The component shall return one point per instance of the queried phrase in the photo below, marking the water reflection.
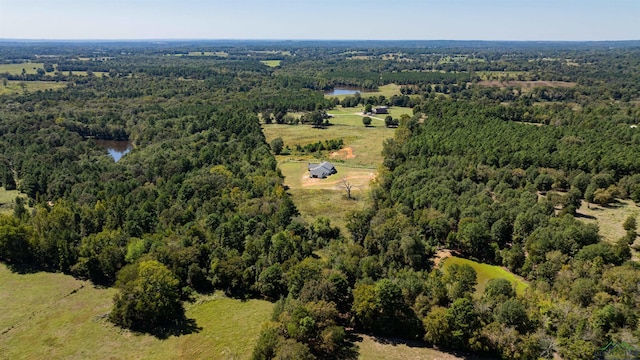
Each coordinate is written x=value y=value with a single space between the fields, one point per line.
x=116 y=148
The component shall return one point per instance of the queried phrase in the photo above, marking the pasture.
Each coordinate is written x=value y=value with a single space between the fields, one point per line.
x=366 y=142
x=610 y=219
x=486 y=272
x=54 y=316
x=16 y=69
x=271 y=63
x=16 y=87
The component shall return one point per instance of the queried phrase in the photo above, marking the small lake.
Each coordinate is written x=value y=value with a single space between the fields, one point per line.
x=346 y=90
x=116 y=148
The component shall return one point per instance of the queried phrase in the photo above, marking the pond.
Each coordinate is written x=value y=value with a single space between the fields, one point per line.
x=116 y=148
x=346 y=90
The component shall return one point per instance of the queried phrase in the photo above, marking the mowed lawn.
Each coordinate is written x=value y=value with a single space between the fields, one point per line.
x=486 y=272
x=54 y=316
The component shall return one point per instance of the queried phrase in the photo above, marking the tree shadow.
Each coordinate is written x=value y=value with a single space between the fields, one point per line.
x=23 y=269
x=349 y=351
x=184 y=326
x=585 y=216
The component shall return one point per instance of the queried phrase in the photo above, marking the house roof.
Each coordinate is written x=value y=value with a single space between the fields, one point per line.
x=323 y=169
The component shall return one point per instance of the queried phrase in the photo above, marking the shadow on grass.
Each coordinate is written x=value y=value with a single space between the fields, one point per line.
x=184 y=326
x=585 y=216
x=23 y=269
x=349 y=351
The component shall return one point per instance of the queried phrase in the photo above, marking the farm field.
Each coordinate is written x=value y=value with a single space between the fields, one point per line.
x=486 y=272
x=14 y=87
x=16 y=69
x=55 y=316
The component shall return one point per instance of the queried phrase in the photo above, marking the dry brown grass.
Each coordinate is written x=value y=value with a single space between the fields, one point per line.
x=387 y=349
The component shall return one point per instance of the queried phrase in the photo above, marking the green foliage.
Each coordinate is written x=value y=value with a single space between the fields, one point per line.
x=460 y=281
x=276 y=145
x=381 y=308
x=499 y=289
x=16 y=241
x=366 y=121
x=149 y=299
x=512 y=313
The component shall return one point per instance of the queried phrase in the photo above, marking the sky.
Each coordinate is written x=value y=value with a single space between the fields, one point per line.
x=565 y=20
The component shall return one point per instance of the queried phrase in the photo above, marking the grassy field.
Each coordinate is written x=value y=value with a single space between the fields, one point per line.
x=14 y=87
x=16 y=69
x=378 y=349
x=366 y=142
x=610 y=219
x=487 y=272
x=54 y=316
x=8 y=200
x=271 y=63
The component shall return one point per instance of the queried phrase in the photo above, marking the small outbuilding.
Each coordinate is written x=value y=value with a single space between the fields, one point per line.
x=381 y=110
x=321 y=170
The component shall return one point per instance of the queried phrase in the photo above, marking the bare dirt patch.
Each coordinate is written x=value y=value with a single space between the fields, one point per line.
x=358 y=179
x=526 y=84
x=440 y=256
x=345 y=153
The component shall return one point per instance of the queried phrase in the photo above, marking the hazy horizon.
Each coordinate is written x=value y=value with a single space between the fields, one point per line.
x=463 y=20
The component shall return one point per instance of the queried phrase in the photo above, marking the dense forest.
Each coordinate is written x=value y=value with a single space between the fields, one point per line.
x=506 y=141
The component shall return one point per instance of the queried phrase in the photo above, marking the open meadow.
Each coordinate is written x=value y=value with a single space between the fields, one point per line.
x=54 y=316
x=486 y=272
x=16 y=69
x=16 y=87
x=610 y=219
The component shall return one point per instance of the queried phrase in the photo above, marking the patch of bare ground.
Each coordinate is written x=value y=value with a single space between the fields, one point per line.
x=357 y=179
x=440 y=256
x=345 y=153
